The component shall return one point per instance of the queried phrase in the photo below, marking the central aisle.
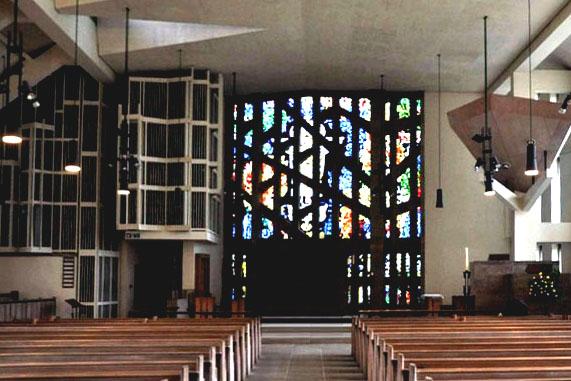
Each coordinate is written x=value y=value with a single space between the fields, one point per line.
x=299 y=352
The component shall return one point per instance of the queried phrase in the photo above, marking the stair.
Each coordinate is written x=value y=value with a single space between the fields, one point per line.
x=306 y=352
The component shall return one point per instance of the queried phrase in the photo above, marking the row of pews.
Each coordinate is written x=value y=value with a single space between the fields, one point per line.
x=465 y=348
x=218 y=349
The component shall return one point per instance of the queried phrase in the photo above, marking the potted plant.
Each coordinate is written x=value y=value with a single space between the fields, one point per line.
x=545 y=289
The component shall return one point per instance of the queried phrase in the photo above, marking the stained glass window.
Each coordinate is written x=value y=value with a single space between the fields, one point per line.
x=345 y=222
x=346 y=182
x=403 y=146
x=403 y=224
x=347 y=137
x=403 y=108
x=309 y=177
x=248 y=112
x=346 y=103
x=365 y=109
x=403 y=182
x=268 y=114
x=307 y=109
x=403 y=187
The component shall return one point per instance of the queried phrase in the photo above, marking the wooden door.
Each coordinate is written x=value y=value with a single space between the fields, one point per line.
x=202 y=275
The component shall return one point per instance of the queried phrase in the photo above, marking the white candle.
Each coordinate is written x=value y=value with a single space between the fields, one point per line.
x=467 y=260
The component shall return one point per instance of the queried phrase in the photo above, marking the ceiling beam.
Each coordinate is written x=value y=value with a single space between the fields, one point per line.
x=61 y=29
x=545 y=43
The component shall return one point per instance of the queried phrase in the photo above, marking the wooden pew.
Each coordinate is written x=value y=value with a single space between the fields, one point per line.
x=115 y=370
x=154 y=338
x=476 y=336
x=249 y=339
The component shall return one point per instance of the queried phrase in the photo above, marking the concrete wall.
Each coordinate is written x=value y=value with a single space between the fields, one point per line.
x=565 y=170
x=36 y=277
x=469 y=219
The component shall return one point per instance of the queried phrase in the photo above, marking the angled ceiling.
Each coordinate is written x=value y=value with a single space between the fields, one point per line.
x=333 y=43
x=509 y=123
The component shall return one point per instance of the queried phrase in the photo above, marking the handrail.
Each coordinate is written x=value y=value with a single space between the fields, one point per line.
x=28 y=300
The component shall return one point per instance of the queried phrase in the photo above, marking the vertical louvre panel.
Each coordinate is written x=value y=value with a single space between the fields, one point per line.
x=176 y=100
x=156 y=140
x=213 y=154
x=70 y=121
x=123 y=209
x=155 y=208
x=133 y=138
x=90 y=123
x=5 y=225
x=155 y=105
x=175 y=174
x=213 y=106
x=198 y=175
x=199 y=94
x=199 y=142
x=175 y=207
x=214 y=218
x=47 y=187
x=89 y=178
x=134 y=97
x=37 y=226
x=68 y=228
x=69 y=192
x=115 y=280
x=86 y=278
x=46 y=226
x=88 y=225
x=213 y=178
x=176 y=140
x=132 y=216
x=156 y=174
x=198 y=209
x=56 y=227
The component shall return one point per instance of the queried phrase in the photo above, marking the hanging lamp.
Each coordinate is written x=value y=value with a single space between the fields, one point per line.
x=12 y=123
x=439 y=194
x=123 y=189
x=531 y=152
x=73 y=156
x=487 y=138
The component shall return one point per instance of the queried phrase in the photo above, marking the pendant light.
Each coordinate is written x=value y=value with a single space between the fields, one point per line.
x=73 y=157
x=439 y=195
x=487 y=138
x=12 y=124
x=123 y=189
x=531 y=154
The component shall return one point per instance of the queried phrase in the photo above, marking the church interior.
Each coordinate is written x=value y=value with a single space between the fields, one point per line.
x=285 y=190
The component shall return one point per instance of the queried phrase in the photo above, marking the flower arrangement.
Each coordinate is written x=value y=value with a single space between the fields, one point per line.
x=545 y=287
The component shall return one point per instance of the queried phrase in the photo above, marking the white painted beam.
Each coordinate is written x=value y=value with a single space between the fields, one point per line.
x=542 y=81
x=61 y=29
x=147 y=34
x=545 y=43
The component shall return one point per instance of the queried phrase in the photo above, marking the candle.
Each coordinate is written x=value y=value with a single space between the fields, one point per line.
x=467 y=260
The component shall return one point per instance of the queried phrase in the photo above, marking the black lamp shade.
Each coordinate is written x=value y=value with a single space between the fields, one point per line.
x=531 y=159
x=488 y=183
x=439 y=198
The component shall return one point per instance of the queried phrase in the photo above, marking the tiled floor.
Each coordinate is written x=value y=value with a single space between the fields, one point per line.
x=306 y=362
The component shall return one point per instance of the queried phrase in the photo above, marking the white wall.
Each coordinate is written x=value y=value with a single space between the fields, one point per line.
x=469 y=219
x=127 y=261
x=36 y=277
x=190 y=249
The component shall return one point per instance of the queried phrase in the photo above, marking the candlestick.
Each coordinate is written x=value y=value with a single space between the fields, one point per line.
x=467 y=261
